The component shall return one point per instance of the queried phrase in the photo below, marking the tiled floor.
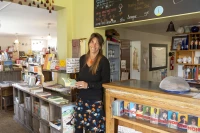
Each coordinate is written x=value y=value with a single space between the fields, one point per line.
x=8 y=125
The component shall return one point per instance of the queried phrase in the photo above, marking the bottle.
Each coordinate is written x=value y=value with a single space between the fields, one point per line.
x=192 y=42
x=196 y=43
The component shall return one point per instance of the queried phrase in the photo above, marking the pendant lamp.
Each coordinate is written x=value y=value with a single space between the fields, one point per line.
x=171 y=27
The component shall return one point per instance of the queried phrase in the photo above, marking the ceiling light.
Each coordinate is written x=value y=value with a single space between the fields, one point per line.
x=171 y=27
x=49 y=37
x=16 y=40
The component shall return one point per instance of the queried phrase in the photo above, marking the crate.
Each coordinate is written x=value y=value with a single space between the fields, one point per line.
x=28 y=120
x=53 y=130
x=36 y=124
x=21 y=113
x=44 y=127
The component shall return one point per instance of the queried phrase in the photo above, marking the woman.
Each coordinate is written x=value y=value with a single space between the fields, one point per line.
x=94 y=71
x=172 y=123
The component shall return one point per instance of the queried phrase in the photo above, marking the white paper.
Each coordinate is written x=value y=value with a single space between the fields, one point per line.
x=123 y=64
x=124 y=76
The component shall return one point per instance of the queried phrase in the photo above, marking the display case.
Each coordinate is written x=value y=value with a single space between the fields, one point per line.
x=148 y=93
x=113 y=55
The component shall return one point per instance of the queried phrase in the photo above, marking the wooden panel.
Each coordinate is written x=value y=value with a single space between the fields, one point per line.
x=159 y=99
x=143 y=126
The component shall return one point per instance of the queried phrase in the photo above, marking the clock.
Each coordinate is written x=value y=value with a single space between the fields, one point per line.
x=158 y=10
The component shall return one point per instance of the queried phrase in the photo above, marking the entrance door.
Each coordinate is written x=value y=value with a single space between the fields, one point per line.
x=135 y=60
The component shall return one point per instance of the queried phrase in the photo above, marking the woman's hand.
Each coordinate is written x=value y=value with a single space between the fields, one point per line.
x=81 y=85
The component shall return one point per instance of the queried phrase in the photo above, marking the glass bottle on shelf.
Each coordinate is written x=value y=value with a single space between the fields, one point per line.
x=198 y=45
x=196 y=42
x=192 y=42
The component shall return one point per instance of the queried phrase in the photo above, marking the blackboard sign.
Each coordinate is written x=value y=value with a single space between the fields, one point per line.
x=108 y=12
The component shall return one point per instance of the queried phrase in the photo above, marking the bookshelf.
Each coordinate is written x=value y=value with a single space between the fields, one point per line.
x=149 y=94
x=36 y=117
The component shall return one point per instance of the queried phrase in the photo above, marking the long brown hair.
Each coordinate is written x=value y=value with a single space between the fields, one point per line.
x=95 y=64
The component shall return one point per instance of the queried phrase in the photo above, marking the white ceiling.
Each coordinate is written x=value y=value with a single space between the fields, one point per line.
x=33 y=22
x=26 y=21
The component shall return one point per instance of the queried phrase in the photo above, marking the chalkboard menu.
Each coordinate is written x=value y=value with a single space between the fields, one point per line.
x=108 y=12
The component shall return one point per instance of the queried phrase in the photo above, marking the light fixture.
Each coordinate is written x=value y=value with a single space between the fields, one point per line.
x=49 y=35
x=16 y=40
x=171 y=27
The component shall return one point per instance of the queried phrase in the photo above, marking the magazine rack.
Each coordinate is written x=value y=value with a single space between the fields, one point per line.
x=146 y=93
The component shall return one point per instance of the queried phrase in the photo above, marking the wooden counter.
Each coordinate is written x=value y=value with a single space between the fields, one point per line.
x=145 y=93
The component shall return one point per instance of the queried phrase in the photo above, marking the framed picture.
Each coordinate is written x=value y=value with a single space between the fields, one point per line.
x=157 y=56
x=177 y=40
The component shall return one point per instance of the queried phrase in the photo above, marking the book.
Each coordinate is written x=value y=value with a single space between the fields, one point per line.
x=55 y=124
x=126 y=108
x=182 y=122
x=154 y=115
x=118 y=107
x=132 y=111
x=62 y=64
x=146 y=113
x=47 y=61
x=54 y=63
x=192 y=126
x=61 y=101
x=139 y=111
x=35 y=90
x=163 y=117
x=43 y=94
x=45 y=112
x=55 y=98
x=172 y=119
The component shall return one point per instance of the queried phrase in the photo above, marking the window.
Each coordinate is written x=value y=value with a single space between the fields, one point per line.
x=38 y=45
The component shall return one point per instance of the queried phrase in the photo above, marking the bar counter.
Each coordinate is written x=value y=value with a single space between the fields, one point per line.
x=146 y=93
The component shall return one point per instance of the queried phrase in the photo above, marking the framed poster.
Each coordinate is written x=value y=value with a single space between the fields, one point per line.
x=178 y=40
x=157 y=56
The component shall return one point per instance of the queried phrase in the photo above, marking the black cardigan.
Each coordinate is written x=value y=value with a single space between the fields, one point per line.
x=95 y=89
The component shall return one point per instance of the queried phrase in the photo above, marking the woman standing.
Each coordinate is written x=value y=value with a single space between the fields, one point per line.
x=94 y=71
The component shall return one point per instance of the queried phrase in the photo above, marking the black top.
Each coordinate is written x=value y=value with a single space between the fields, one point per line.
x=95 y=90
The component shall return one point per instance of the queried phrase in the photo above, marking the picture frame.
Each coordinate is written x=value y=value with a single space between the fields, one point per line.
x=177 y=40
x=158 y=56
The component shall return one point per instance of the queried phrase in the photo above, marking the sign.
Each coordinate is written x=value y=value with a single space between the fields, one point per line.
x=109 y=12
x=123 y=64
x=72 y=65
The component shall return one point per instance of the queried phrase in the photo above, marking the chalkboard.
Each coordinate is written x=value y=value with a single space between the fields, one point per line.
x=108 y=12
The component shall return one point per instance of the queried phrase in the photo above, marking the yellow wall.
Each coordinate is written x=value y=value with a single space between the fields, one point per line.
x=74 y=21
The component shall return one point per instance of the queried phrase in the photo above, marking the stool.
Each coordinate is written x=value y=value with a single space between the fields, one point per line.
x=6 y=97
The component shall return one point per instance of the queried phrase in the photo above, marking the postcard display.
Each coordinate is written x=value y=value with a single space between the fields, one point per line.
x=113 y=55
x=72 y=65
x=149 y=111
x=39 y=113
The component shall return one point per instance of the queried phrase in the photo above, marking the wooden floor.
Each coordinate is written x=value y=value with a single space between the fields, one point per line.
x=8 y=125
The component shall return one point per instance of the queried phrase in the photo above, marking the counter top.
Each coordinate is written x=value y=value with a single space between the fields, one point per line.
x=143 y=85
x=149 y=93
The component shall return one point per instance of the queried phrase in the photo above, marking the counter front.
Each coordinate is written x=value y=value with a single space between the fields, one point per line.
x=146 y=93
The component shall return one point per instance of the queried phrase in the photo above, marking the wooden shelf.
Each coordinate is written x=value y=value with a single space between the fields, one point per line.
x=188 y=33
x=186 y=64
x=146 y=125
x=188 y=50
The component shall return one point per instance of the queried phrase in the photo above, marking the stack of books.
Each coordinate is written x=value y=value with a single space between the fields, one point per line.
x=55 y=124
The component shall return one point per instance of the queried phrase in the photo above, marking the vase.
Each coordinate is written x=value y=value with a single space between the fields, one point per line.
x=194 y=29
x=187 y=29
